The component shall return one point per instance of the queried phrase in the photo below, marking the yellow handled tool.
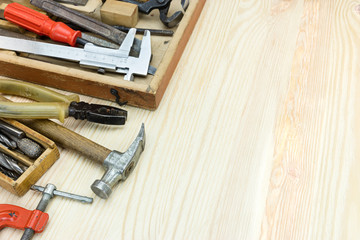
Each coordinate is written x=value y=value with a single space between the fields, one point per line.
x=54 y=105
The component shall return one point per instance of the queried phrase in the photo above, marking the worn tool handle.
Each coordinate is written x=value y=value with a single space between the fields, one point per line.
x=40 y=24
x=67 y=138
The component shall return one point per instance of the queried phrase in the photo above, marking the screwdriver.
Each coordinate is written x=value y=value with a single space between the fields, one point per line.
x=41 y=24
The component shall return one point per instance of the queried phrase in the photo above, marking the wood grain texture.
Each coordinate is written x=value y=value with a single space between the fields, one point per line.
x=256 y=137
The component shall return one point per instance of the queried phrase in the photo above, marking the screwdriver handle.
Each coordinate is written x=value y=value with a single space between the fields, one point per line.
x=40 y=23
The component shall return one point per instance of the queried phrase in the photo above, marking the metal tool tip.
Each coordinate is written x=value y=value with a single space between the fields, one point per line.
x=141 y=133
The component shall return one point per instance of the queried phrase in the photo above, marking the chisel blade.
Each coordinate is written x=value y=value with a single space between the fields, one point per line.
x=74 y=2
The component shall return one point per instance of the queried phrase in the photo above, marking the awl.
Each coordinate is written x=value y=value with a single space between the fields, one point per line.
x=42 y=24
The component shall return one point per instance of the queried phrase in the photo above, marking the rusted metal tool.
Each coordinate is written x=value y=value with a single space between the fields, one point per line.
x=34 y=221
x=74 y=2
x=163 y=6
x=158 y=32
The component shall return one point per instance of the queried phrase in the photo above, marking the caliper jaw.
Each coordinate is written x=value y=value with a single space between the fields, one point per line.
x=126 y=64
x=136 y=65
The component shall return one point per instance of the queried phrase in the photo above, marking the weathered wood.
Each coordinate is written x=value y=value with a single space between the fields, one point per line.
x=69 y=139
x=115 y=12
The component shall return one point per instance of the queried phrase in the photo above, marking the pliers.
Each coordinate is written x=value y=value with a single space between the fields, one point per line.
x=54 y=105
x=164 y=7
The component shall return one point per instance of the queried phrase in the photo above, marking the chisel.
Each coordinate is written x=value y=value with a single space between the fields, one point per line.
x=86 y=22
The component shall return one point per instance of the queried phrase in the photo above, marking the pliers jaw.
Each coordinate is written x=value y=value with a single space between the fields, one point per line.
x=97 y=113
x=163 y=6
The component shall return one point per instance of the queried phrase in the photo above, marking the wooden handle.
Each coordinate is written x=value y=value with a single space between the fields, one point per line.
x=67 y=138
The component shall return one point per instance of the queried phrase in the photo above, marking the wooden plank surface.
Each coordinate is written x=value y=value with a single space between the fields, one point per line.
x=255 y=138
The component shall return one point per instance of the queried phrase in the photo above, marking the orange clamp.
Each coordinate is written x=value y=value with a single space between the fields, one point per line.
x=21 y=218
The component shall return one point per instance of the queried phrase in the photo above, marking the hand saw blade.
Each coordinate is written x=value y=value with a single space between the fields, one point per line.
x=74 y=2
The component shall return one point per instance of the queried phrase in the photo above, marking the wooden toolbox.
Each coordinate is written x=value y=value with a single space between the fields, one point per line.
x=35 y=167
x=145 y=92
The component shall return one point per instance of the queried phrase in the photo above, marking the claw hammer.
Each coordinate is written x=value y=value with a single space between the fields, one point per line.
x=117 y=165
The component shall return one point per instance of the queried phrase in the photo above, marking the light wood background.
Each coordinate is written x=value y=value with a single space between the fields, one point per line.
x=257 y=136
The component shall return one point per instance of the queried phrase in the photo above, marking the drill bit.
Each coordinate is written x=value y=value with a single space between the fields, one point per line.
x=10 y=164
x=7 y=142
x=8 y=173
x=9 y=129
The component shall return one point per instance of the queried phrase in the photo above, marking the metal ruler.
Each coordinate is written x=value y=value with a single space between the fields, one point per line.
x=91 y=56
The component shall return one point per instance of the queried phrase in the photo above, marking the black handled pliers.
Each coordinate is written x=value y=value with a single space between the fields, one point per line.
x=163 y=6
x=54 y=105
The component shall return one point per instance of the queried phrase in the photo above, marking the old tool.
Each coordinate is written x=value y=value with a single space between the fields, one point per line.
x=54 y=105
x=91 y=56
x=27 y=146
x=41 y=24
x=118 y=165
x=163 y=6
x=7 y=142
x=34 y=221
x=8 y=173
x=15 y=138
x=86 y=22
x=7 y=128
x=158 y=32
x=10 y=164
x=74 y=2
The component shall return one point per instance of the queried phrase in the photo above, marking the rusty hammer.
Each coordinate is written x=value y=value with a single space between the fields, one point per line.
x=118 y=165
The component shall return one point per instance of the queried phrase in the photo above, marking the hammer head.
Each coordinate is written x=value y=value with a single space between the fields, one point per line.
x=119 y=165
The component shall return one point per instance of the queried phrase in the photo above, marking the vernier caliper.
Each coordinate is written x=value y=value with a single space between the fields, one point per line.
x=91 y=56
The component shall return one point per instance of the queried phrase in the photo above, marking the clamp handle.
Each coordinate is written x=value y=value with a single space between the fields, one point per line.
x=40 y=24
x=21 y=218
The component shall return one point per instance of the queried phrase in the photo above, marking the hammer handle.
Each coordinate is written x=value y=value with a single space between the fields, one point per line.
x=67 y=138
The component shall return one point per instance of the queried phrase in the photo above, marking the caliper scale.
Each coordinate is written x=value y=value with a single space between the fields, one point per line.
x=92 y=56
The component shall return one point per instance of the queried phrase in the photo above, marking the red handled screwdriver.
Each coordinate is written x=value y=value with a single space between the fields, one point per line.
x=41 y=24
